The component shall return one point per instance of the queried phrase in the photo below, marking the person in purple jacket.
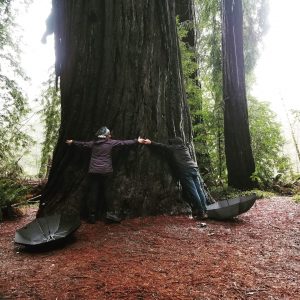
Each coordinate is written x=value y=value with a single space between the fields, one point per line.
x=100 y=168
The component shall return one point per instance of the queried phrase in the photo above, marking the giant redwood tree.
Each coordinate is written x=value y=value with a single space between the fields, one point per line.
x=118 y=64
x=239 y=158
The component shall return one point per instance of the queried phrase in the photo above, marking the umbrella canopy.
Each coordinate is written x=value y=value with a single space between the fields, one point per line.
x=230 y=208
x=47 y=229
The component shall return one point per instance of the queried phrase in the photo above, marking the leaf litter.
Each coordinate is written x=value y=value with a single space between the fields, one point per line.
x=255 y=256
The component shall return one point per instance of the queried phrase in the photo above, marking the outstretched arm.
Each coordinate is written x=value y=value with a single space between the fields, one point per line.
x=149 y=142
x=164 y=147
x=80 y=144
x=127 y=142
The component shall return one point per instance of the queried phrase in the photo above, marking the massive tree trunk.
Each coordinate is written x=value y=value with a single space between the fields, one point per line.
x=119 y=66
x=239 y=158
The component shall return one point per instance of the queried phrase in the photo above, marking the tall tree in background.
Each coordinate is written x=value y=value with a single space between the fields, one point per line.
x=239 y=158
x=209 y=26
x=119 y=65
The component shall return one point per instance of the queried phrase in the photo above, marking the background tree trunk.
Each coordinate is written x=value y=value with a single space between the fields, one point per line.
x=239 y=158
x=185 y=10
x=119 y=66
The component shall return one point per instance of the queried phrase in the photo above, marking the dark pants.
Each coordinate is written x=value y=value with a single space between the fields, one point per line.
x=190 y=181
x=97 y=199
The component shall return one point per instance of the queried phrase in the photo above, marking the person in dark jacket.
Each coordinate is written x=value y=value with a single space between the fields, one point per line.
x=187 y=171
x=100 y=167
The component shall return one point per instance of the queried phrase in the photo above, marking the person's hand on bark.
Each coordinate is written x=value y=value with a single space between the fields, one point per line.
x=147 y=142
x=141 y=140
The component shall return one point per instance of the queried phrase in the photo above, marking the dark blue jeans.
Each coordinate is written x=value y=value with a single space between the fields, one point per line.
x=190 y=181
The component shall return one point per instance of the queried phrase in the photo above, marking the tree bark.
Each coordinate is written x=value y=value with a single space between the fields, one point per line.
x=239 y=158
x=119 y=66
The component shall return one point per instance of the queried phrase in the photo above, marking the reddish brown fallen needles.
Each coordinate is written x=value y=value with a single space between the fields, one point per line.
x=257 y=256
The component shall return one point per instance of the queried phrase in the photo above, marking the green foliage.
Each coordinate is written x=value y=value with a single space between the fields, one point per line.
x=296 y=115
x=10 y=40
x=267 y=142
x=229 y=192
x=204 y=92
x=5 y=22
x=255 y=27
x=50 y=100
x=12 y=191
x=294 y=121
x=296 y=198
x=206 y=103
x=205 y=98
x=263 y=193
x=210 y=75
x=295 y=184
x=210 y=72
x=190 y=66
x=14 y=141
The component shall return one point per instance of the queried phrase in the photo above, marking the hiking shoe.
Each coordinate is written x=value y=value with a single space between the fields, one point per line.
x=201 y=216
x=112 y=218
x=92 y=219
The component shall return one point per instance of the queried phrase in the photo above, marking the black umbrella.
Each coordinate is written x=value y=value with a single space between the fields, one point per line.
x=47 y=229
x=227 y=209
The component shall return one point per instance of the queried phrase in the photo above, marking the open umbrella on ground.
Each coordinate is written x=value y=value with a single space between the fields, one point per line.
x=227 y=209
x=47 y=229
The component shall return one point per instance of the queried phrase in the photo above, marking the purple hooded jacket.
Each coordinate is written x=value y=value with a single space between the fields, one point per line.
x=101 y=157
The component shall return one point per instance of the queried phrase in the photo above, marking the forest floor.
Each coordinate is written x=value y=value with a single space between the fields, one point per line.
x=256 y=256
